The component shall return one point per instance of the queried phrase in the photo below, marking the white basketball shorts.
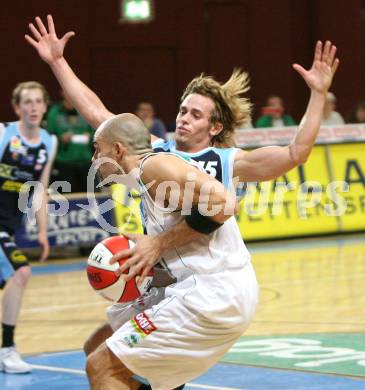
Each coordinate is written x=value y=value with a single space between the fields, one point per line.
x=187 y=332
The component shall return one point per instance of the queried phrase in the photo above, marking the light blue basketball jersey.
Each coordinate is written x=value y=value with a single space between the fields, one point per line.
x=217 y=162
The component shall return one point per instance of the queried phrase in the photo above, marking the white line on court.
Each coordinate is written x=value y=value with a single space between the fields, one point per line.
x=82 y=372
x=58 y=369
x=196 y=385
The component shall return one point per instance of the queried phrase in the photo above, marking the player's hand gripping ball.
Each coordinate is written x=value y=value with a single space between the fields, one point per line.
x=102 y=277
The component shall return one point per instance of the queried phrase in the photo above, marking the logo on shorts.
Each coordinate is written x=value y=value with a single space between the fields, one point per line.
x=143 y=327
x=132 y=339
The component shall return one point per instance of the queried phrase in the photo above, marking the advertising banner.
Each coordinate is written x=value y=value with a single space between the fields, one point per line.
x=348 y=164
x=298 y=203
x=73 y=220
x=324 y=195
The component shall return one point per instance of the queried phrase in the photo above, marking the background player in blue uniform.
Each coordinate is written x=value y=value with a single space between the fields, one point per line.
x=26 y=154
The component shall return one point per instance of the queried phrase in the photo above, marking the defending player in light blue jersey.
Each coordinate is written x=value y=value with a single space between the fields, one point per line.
x=26 y=154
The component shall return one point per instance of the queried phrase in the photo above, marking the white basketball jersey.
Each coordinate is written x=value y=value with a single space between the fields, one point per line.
x=219 y=251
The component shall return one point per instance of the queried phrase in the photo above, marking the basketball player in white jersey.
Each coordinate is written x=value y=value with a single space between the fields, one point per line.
x=208 y=115
x=215 y=296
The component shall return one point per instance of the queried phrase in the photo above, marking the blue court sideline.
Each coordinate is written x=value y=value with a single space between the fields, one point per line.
x=61 y=370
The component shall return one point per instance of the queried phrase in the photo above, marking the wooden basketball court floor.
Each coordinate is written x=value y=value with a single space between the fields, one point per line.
x=308 y=332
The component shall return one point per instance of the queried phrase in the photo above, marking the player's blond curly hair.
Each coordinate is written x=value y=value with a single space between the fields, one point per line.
x=231 y=109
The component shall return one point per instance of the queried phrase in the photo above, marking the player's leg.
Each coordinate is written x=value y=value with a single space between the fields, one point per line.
x=105 y=371
x=118 y=314
x=99 y=335
x=15 y=272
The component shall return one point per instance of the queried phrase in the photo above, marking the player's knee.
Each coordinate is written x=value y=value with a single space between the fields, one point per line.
x=97 y=338
x=22 y=276
x=90 y=365
x=89 y=346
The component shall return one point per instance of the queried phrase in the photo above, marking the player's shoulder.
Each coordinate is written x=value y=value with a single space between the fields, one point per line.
x=221 y=155
x=163 y=159
x=7 y=130
x=46 y=136
x=164 y=164
x=225 y=150
x=240 y=154
x=8 y=125
x=162 y=145
x=49 y=140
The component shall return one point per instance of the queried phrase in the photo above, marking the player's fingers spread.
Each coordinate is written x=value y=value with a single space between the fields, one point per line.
x=34 y=31
x=51 y=27
x=41 y=26
x=318 y=51
x=133 y=271
x=145 y=272
x=121 y=255
x=121 y=269
x=299 y=69
x=67 y=36
x=131 y=236
x=326 y=51
x=335 y=66
x=131 y=262
x=332 y=55
x=31 y=40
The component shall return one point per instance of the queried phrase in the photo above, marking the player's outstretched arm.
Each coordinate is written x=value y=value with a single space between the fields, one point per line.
x=273 y=161
x=50 y=48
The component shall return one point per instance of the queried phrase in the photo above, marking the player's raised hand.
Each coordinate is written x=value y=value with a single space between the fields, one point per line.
x=50 y=48
x=319 y=76
x=141 y=258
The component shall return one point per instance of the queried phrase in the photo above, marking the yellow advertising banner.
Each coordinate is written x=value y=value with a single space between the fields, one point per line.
x=348 y=165
x=298 y=203
x=310 y=199
x=127 y=212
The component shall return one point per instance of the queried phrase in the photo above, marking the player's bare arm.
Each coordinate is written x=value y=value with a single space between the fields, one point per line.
x=41 y=201
x=271 y=162
x=51 y=48
x=207 y=193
